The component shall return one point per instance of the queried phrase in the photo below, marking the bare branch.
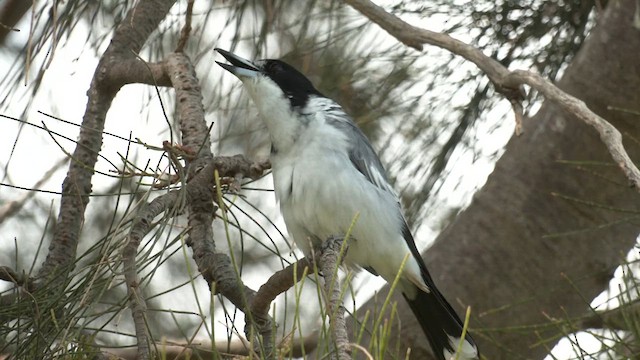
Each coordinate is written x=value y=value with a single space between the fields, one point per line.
x=609 y=135
x=214 y=266
x=128 y=39
x=330 y=259
x=277 y=284
x=414 y=37
x=193 y=129
x=506 y=82
x=141 y=226
x=203 y=350
x=137 y=71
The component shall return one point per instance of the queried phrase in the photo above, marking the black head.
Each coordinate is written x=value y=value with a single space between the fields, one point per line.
x=293 y=83
x=295 y=86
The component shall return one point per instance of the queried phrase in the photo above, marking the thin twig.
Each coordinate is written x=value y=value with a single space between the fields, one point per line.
x=186 y=29
x=10 y=275
x=609 y=135
x=12 y=207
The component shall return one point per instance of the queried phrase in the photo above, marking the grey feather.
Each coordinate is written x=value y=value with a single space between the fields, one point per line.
x=361 y=153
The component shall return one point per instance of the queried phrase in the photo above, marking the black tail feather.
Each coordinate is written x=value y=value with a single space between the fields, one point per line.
x=440 y=323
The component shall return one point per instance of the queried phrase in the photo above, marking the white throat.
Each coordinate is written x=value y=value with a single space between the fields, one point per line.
x=275 y=110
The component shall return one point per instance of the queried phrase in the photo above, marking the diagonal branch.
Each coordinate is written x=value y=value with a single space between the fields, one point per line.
x=506 y=82
x=9 y=209
x=609 y=135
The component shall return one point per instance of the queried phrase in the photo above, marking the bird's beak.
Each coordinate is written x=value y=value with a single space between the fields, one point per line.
x=239 y=67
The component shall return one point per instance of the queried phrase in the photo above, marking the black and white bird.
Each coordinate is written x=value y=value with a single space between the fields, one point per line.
x=325 y=172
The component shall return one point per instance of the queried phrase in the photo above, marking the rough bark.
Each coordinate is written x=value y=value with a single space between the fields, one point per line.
x=127 y=41
x=498 y=256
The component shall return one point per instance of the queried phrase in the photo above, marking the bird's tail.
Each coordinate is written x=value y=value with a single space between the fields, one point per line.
x=441 y=324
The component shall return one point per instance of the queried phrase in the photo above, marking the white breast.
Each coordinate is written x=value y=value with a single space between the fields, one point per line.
x=320 y=193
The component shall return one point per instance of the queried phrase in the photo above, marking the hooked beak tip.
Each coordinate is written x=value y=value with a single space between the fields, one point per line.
x=239 y=67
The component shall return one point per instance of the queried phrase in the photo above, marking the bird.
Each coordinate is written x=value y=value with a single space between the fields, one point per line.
x=325 y=171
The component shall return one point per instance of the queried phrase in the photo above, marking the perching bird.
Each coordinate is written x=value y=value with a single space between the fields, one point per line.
x=325 y=172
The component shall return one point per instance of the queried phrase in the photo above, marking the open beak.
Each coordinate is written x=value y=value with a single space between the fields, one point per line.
x=239 y=67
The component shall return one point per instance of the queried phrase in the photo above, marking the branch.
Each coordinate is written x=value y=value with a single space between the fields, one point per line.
x=277 y=284
x=128 y=39
x=414 y=37
x=137 y=71
x=190 y=112
x=186 y=29
x=236 y=349
x=330 y=259
x=140 y=227
x=609 y=135
x=506 y=82
x=215 y=267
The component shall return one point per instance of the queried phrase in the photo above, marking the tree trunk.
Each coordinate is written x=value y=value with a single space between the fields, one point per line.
x=522 y=252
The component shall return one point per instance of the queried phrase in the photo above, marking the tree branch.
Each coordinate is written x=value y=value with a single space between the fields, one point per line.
x=128 y=39
x=215 y=267
x=137 y=71
x=330 y=259
x=10 y=275
x=609 y=135
x=141 y=226
x=506 y=82
x=186 y=29
x=236 y=349
x=277 y=284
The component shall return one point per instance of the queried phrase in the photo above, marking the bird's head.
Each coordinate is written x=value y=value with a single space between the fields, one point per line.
x=270 y=79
